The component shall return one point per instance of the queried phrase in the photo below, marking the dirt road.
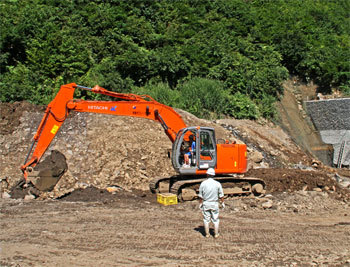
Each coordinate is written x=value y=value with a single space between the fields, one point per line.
x=132 y=229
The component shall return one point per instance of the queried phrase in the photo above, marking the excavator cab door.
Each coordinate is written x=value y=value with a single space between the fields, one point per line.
x=201 y=153
x=207 y=148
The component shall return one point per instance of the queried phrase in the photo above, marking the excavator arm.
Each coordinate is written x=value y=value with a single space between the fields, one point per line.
x=57 y=111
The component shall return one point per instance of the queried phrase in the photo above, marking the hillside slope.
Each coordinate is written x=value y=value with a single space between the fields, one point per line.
x=104 y=150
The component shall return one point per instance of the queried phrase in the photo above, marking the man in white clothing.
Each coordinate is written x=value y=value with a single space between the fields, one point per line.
x=210 y=192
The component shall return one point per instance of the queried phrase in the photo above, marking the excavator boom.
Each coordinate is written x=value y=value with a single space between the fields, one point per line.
x=142 y=106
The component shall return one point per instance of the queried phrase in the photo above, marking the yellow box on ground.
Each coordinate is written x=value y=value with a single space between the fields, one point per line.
x=167 y=199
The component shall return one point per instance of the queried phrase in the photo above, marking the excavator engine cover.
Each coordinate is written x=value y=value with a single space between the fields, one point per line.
x=48 y=172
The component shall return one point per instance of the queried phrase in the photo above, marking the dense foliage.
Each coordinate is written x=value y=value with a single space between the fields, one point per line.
x=208 y=57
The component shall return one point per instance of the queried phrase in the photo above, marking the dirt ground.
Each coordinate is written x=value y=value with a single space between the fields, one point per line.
x=302 y=220
x=93 y=227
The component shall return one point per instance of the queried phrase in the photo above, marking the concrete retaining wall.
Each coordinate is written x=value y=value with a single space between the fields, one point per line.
x=332 y=119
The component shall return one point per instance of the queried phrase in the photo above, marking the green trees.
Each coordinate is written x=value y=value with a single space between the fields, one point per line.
x=208 y=57
x=312 y=36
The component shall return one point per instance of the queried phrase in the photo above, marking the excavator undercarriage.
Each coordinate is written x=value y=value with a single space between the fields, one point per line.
x=187 y=188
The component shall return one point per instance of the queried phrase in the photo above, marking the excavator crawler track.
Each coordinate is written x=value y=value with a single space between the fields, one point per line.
x=155 y=184
x=187 y=189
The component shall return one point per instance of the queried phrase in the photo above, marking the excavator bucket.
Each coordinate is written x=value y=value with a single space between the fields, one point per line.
x=47 y=173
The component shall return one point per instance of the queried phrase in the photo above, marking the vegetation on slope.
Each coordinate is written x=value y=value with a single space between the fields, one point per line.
x=208 y=57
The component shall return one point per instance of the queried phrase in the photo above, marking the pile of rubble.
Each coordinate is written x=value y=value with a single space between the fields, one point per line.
x=105 y=151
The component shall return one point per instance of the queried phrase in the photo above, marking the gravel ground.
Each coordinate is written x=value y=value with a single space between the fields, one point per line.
x=109 y=232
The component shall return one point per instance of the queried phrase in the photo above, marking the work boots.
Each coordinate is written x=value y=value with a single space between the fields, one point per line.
x=206 y=229
x=216 y=230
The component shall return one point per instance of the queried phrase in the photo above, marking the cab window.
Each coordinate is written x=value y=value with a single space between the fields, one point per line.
x=206 y=144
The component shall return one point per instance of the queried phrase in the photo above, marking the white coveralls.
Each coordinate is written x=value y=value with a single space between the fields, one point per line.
x=210 y=191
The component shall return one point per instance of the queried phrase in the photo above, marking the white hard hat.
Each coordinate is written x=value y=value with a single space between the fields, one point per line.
x=211 y=172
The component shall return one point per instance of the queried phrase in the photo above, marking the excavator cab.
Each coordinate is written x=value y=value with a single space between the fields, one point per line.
x=197 y=143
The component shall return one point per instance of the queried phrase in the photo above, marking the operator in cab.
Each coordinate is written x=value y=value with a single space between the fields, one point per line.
x=210 y=193
x=189 y=155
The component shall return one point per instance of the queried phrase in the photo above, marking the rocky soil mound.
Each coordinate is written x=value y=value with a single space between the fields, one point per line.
x=104 y=151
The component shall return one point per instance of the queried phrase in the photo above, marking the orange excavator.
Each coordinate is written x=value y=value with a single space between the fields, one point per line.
x=194 y=149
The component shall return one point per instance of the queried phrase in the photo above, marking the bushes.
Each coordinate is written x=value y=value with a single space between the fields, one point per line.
x=160 y=92
x=241 y=106
x=21 y=83
x=207 y=57
x=199 y=96
x=204 y=98
x=312 y=37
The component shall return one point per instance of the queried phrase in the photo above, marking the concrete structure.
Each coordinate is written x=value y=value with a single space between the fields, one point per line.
x=332 y=119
